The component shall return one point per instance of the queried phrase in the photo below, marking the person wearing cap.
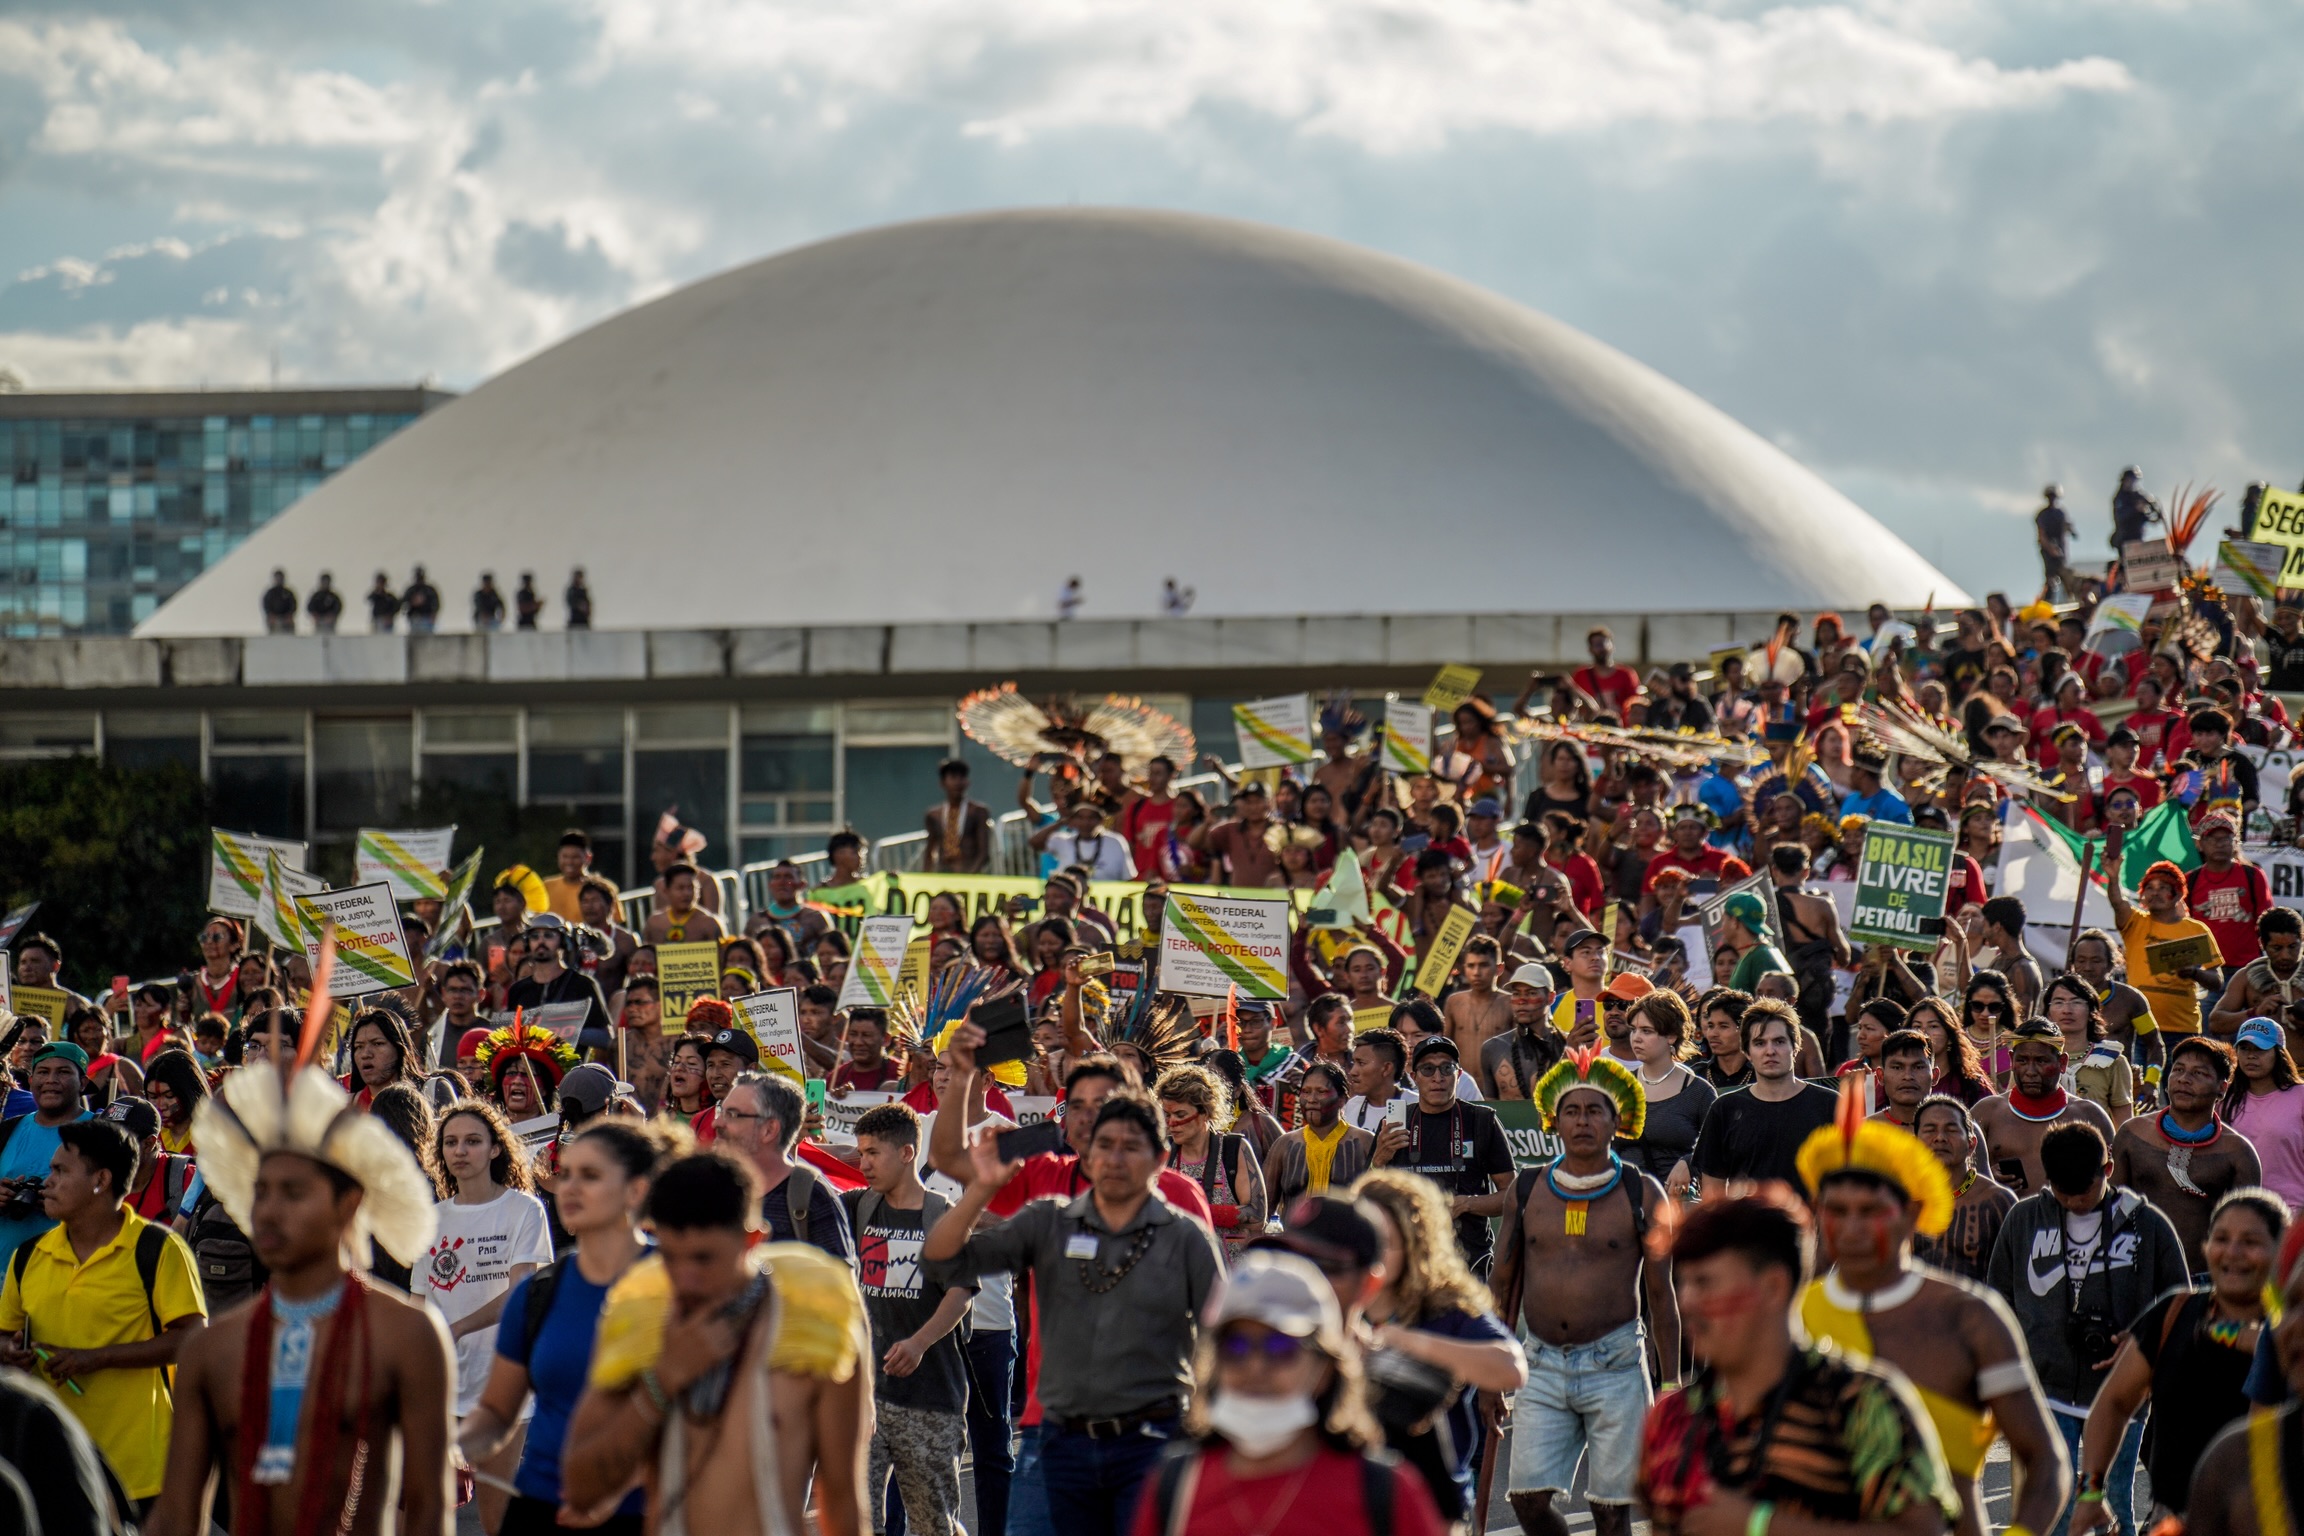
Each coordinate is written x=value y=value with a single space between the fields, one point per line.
x=1572 y=1271
x=2227 y=779
x=2158 y=916
x=1745 y=928
x=2228 y=892
x=2266 y=1105
x=2185 y=1158
x=585 y=1094
x=1488 y=849
x=1456 y=1143
x=156 y=1190
x=1280 y=1422
x=1514 y=1060
x=1680 y=707
x=549 y=979
x=1576 y=1010
x=1616 y=999
x=1260 y=1055
x=1868 y=795
x=2014 y=1125
x=57 y=1080
x=1690 y=851
x=1876 y=1188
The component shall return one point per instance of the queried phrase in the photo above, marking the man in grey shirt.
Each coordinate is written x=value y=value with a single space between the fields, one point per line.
x=1120 y=1277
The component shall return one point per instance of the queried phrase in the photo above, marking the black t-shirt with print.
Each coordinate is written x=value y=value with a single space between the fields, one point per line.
x=901 y=1292
x=1461 y=1151
x=2287 y=670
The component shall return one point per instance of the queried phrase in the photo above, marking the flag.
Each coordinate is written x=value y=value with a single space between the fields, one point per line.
x=460 y=882
x=277 y=916
x=2040 y=866
x=2164 y=833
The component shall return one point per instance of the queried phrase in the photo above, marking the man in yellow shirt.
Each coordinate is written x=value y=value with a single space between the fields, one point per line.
x=103 y=1303
x=560 y=890
x=2157 y=916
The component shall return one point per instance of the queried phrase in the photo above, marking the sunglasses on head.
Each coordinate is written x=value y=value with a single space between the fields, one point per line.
x=1276 y=1347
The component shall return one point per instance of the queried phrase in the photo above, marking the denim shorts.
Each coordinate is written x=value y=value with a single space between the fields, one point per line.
x=1585 y=1396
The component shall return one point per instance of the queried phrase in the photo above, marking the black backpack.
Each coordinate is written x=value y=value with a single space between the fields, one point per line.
x=1635 y=1191
x=1180 y=1462
x=230 y=1272
x=151 y=1243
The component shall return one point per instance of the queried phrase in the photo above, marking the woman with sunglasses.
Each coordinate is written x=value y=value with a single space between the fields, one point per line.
x=218 y=979
x=1280 y=1429
x=1988 y=1017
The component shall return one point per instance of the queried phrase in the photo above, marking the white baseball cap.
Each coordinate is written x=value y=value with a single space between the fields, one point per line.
x=1532 y=975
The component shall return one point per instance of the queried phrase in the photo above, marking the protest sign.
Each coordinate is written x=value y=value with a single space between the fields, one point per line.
x=1032 y=1108
x=843 y=1110
x=1439 y=962
x=2149 y=565
x=13 y=923
x=453 y=906
x=236 y=868
x=1901 y=881
x=2284 y=870
x=1209 y=945
x=1524 y=1133
x=371 y=949
x=1407 y=737
x=537 y=1134
x=773 y=1020
x=2280 y=520
x=43 y=1003
x=276 y=915
x=2169 y=956
x=684 y=973
x=1715 y=911
x=563 y=1020
x=2248 y=569
x=1275 y=733
x=1451 y=686
x=2122 y=612
x=412 y=863
x=876 y=967
x=913 y=979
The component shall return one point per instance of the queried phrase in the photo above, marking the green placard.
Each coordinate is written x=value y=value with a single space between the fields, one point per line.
x=1901 y=883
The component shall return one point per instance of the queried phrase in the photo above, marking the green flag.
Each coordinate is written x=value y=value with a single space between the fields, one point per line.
x=2164 y=833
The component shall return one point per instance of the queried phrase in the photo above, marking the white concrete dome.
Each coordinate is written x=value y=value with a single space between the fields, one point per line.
x=944 y=420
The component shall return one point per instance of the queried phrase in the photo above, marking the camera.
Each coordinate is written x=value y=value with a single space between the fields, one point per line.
x=2095 y=1338
x=21 y=1200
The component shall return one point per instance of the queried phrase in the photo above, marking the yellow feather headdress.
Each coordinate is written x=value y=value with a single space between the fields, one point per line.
x=1889 y=1153
x=1591 y=1067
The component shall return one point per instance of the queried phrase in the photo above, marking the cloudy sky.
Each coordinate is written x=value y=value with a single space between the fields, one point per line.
x=1941 y=250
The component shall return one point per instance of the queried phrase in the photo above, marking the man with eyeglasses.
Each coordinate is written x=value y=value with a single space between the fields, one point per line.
x=1458 y=1145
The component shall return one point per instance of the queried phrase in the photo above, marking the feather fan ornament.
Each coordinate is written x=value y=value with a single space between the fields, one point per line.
x=1063 y=729
x=952 y=992
x=1159 y=1024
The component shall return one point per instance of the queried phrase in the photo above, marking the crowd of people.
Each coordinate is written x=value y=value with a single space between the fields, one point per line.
x=419 y=604
x=1810 y=1226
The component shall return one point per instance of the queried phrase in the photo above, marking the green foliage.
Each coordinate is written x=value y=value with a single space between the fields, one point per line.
x=116 y=857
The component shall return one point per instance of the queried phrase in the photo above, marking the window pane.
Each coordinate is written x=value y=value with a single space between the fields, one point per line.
x=490 y=730
x=924 y=720
x=788 y=719
x=489 y=773
x=251 y=728
x=120 y=724
x=153 y=751
x=890 y=788
x=787 y=765
x=576 y=728
x=50 y=731
x=564 y=774
x=361 y=775
x=693 y=786
x=259 y=794
x=687 y=724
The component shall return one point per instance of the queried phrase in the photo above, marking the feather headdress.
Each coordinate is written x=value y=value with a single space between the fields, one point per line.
x=952 y=992
x=1591 y=1067
x=545 y=1051
x=254 y=1113
x=1160 y=1024
x=1908 y=733
x=1889 y=1153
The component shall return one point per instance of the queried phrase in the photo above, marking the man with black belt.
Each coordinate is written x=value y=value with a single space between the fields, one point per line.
x=1458 y=1146
x=1120 y=1278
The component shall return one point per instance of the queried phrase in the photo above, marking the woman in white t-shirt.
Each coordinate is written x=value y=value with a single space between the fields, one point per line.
x=492 y=1235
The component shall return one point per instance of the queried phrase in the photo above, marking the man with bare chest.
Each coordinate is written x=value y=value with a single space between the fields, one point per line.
x=2185 y=1158
x=1979 y=1206
x=1476 y=1012
x=351 y=1366
x=2036 y=1101
x=1875 y=1187
x=1571 y=1271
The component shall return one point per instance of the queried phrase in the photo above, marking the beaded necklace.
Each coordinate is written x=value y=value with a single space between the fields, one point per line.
x=1577 y=1191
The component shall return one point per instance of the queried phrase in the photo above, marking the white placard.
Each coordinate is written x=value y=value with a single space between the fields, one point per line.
x=843 y=1110
x=276 y=917
x=1407 y=737
x=1275 y=733
x=562 y=1020
x=1032 y=1108
x=1211 y=944
x=773 y=1019
x=236 y=868
x=876 y=964
x=371 y=949
x=413 y=863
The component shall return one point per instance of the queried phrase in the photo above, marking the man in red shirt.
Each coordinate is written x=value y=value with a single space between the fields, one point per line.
x=1609 y=686
x=2120 y=753
x=2070 y=708
x=1689 y=852
x=2227 y=892
x=2158 y=730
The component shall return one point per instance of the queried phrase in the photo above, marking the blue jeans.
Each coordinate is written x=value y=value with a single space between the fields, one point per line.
x=2119 y=1484
x=991 y=1419
x=1586 y=1397
x=1027 y=1492
x=1092 y=1484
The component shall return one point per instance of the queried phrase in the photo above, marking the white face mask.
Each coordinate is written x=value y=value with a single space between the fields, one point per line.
x=1259 y=1426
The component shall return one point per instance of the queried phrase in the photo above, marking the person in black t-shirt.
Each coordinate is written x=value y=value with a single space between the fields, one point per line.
x=280 y=606
x=1457 y=1145
x=2286 y=642
x=1754 y=1134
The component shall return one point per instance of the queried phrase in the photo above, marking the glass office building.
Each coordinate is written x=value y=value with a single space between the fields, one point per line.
x=115 y=499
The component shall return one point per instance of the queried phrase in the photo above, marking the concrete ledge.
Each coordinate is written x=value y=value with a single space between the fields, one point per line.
x=928 y=648
x=1004 y=648
x=97 y=661
x=448 y=658
x=687 y=653
x=196 y=663
x=343 y=660
x=1096 y=645
x=847 y=650
x=768 y=652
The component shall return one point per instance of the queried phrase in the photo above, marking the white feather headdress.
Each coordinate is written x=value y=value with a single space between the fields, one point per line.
x=249 y=1116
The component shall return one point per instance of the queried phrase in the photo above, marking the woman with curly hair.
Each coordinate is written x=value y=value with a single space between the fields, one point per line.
x=1434 y=1314
x=1197 y=1107
x=493 y=1234
x=407 y=1113
x=1959 y=1071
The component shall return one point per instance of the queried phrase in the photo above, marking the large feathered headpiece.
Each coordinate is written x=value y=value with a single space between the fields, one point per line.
x=1077 y=731
x=1160 y=1024
x=1591 y=1067
x=1889 y=1153
x=544 y=1050
x=951 y=993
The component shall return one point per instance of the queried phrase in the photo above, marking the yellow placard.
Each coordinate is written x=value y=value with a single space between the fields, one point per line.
x=684 y=973
x=2280 y=520
x=1439 y=962
x=1451 y=686
x=913 y=978
x=1374 y=1016
x=43 y=1003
